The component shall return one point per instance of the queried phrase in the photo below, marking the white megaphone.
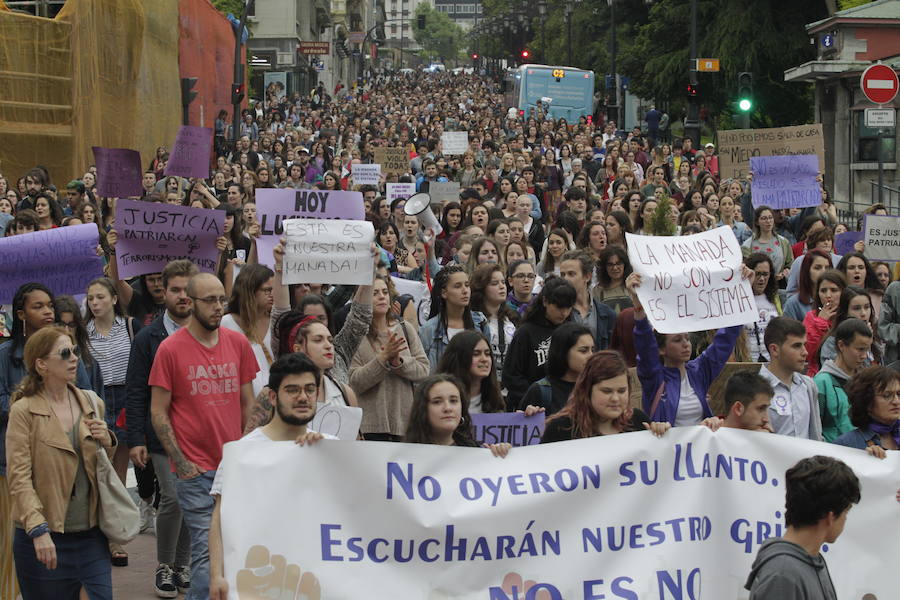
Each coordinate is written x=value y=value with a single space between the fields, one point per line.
x=419 y=206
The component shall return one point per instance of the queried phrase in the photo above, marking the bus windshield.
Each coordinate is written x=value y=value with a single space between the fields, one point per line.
x=567 y=91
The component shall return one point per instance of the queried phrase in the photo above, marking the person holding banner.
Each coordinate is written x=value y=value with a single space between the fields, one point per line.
x=440 y=415
x=600 y=404
x=874 y=397
x=675 y=388
x=388 y=362
x=292 y=388
x=746 y=402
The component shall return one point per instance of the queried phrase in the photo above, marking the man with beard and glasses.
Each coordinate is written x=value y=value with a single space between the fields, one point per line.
x=201 y=399
x=293 y=388
x=173 y=542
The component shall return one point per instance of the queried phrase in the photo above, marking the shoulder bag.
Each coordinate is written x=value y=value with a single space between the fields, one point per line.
x=118 y=516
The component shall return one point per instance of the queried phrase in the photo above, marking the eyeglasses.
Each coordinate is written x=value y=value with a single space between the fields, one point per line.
x=212 y=300
x=267 y=290
x=762 y=275
x=615 y=265
x=66 y=353
x=524 y=276
x=295 y=390
x=69 y=325
x=767 y=218
x=889 y=395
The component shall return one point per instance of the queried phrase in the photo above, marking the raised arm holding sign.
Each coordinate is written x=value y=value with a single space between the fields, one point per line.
x=321 y=251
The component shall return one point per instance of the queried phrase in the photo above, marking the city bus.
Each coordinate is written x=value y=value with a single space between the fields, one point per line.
x=569 y=92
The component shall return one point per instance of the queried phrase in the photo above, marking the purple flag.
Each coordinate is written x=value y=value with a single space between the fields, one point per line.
x=275 y=205
x=190 y=154
x=151 y=235
x=119 y=172
x=844 y=242
x=64 y=259
x=513 y=428
x=785 y=181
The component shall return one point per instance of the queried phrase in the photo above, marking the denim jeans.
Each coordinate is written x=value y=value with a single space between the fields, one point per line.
x=82 y=559
x=196 y=511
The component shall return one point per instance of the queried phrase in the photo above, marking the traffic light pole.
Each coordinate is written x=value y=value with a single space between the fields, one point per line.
x=692 y=122
x=613 y=109
x=238 y=84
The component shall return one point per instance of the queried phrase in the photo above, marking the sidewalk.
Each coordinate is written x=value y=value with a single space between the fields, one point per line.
x=135 y=582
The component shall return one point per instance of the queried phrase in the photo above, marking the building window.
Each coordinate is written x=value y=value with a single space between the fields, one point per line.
x=870 y=139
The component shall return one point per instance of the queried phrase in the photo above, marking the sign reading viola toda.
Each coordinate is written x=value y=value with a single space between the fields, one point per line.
x=273 y=206
x=618 y=517
x=692 y=282
x=151 y=235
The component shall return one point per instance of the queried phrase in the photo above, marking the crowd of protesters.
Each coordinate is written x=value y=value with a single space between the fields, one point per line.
x=532 y=307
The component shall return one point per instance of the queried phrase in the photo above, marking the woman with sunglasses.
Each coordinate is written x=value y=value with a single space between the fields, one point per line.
x=55 y=433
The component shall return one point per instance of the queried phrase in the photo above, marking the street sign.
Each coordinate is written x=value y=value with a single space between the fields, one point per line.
x=880 y=117
x=314 y=48
x=708 y=65
x=827 y=40
x=879 y=83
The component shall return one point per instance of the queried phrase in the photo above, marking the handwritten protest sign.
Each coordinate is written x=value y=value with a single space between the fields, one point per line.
x=785 y=181
x=340 y=421
x=64 y=259
x=455 y=142
x=882 y=237
x=512 y=428
x=619 y=517
x=366 y=174
x=844 y=242
x=151 y=235
x=392 y=160
x=322 y=251
x=692 y=283
x=273 y=206
x=443 y=191
x=738 y=146
x=190 y=154
x=399 y=190
x=119 y=172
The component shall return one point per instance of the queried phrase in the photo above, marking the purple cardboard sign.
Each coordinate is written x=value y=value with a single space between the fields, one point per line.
x=844 y=242
x=190 y=154
x=151 y=235
x=513 y=428
x=276 y=205
x=64 y=259
x=119 y=172
x=785 y=181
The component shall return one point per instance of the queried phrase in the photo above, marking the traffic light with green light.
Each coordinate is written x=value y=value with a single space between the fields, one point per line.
x=745 y=91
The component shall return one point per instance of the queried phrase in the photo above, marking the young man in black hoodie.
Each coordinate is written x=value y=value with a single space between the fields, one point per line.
x=820 y=492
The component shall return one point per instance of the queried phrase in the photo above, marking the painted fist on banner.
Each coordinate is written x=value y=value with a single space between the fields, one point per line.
x=514 y=585
x=270 y=577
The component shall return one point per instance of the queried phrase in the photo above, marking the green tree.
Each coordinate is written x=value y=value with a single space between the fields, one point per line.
x=440 y=37
x=661 y=222
x=229 y=6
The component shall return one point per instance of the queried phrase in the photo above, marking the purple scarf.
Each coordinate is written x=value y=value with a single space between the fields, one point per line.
x=893 y=430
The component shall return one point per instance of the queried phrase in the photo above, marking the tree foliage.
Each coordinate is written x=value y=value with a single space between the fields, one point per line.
x=441 y=37
x=765 y=37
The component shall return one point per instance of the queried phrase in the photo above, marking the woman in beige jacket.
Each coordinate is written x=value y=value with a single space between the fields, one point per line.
x=51 y=448
x=386 y=364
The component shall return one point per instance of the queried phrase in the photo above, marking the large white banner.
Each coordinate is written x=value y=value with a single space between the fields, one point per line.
x=692 y=282
x=629 y=516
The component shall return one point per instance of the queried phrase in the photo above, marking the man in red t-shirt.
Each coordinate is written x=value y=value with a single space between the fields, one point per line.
x=201 y=398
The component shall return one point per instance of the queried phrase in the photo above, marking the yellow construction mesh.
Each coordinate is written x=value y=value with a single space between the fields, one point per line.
x=102 y=73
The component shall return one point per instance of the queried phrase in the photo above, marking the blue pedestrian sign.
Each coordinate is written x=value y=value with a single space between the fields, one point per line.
x=827 y=40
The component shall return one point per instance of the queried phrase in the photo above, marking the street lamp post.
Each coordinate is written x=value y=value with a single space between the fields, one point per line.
x=692 y=122
x=542 y=11
x=569 y=9
x=237 y=89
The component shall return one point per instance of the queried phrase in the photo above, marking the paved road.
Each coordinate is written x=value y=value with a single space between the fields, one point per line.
x=135 y=582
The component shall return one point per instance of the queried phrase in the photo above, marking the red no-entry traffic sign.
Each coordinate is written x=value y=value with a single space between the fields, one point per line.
x=879 y=83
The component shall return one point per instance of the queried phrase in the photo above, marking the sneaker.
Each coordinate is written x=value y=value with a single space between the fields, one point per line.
x=183 y=577
x=148 y=516
x=165 y=584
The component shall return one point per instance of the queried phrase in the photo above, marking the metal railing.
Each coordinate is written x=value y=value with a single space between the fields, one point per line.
x=887 y=195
